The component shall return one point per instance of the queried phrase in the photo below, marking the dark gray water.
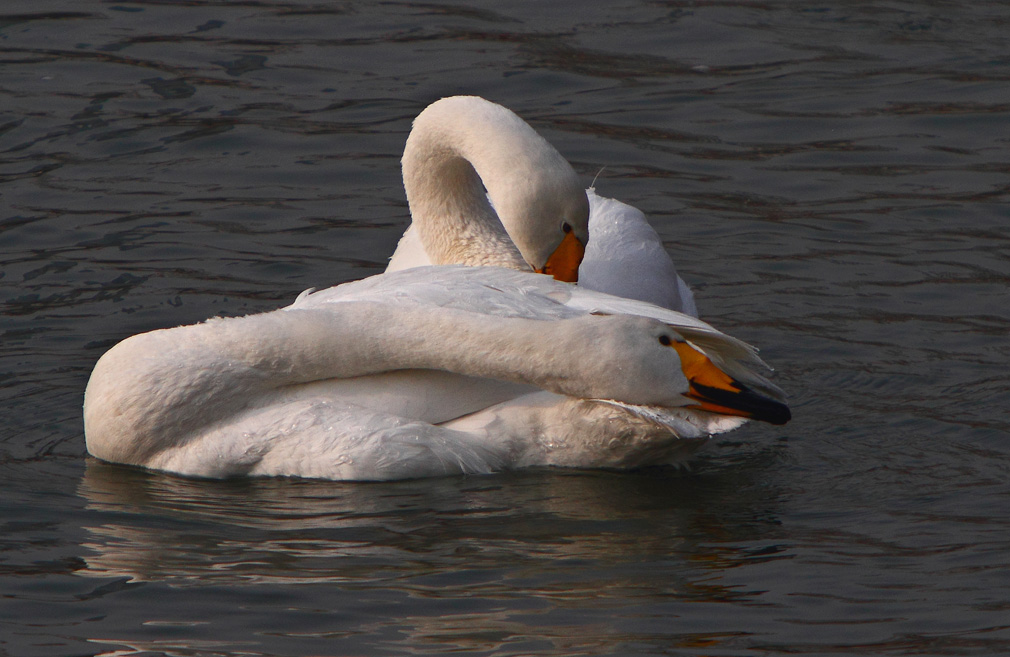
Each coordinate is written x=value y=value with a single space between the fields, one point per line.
x=833 y=179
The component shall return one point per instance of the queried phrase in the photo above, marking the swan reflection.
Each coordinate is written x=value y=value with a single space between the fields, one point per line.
x=444 y=564
x=165 y=528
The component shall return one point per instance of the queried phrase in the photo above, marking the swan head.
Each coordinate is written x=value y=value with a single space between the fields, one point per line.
x=537 y=195
x=548 y=221
x=647 y=362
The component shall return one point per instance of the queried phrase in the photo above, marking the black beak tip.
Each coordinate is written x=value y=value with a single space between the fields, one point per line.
x=776 y=413
x=750 y=404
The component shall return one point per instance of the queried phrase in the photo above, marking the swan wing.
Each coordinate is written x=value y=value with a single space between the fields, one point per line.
x=483 y=290
x=625 y=257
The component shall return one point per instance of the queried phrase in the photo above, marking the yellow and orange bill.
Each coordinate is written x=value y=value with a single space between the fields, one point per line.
x=564 y=263
x=715 y=391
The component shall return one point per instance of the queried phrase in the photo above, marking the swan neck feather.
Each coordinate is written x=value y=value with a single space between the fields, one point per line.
x=462 y=145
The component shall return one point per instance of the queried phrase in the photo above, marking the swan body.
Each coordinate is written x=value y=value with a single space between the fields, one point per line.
x=268 y=394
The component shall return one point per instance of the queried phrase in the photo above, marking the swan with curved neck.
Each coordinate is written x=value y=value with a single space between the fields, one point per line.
x=459 y=147
x=534 y=191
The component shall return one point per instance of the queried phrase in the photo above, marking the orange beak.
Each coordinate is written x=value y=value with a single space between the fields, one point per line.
x=564 y=262
x=717 y=392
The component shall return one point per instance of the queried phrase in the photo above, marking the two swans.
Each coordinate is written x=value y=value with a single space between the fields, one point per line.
x=443 y=369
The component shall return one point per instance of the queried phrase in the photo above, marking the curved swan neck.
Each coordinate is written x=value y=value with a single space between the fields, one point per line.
x=458 y=147
x=448 y=207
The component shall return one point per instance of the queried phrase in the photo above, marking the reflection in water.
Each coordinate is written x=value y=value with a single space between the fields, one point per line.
x=461 y=561
x=157 y=527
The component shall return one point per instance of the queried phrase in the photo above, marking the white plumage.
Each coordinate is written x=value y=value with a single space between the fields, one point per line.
x=447 y=369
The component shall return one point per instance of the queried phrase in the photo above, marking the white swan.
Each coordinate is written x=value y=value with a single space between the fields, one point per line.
x=440 y=369
x=624 y=255
x=397 y=375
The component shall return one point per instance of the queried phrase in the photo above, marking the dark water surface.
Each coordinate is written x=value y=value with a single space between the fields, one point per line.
x=833 y=179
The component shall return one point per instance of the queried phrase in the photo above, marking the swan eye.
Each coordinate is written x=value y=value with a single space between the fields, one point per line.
x=565 y=227
x=665 y=340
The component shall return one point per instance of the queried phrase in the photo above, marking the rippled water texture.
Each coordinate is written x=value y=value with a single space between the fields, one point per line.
x=831 y=178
